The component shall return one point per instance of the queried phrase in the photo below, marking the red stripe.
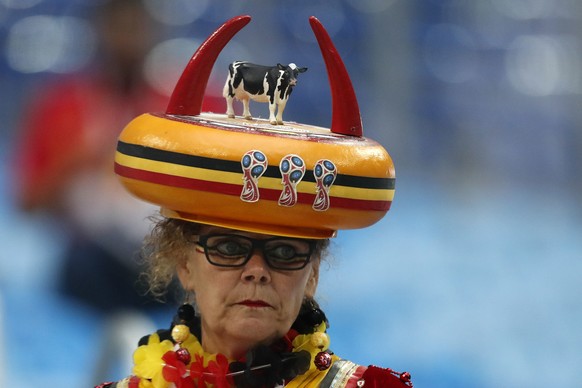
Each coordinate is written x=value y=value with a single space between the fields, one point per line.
x=178 y=181
x=230 y=189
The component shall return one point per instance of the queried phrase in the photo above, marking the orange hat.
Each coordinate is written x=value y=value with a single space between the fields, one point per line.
x=290 y=180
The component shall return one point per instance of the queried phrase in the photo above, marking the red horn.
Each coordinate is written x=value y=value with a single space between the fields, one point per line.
x=189 y=91
x=346 y=118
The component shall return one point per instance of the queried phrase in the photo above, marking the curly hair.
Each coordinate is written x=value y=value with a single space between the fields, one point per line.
x=169 y=244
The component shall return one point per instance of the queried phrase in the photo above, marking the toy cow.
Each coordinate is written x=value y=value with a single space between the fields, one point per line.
x=272 y=84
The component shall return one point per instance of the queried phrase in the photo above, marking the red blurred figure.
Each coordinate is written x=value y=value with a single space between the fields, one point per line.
x=63 y=160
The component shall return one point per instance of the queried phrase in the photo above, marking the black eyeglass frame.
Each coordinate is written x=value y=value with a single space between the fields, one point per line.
x=256 y=243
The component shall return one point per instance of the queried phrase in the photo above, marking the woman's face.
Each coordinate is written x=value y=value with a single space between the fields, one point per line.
x=246 y=306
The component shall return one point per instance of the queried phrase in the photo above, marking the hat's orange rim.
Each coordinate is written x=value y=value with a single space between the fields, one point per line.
x=254 y=227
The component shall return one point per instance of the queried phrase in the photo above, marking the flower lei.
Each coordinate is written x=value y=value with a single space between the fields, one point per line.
x=183 y=362
x=160 y=363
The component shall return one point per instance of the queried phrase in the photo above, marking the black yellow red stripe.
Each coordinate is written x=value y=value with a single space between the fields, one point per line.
x=235 y=166
x=225 y=176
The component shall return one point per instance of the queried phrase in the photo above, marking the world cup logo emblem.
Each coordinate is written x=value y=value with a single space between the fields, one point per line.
x=325 y=173
x=254 y=164
x=292 y=169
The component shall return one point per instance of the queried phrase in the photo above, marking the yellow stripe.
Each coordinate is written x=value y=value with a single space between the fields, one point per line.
x=236 y=178
x=178 y=170
x=358 y=193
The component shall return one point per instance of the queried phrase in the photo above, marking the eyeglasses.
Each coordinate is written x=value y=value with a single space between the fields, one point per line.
x=232 y=250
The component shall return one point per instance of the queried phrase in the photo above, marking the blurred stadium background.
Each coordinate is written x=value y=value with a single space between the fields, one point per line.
x=473 y=279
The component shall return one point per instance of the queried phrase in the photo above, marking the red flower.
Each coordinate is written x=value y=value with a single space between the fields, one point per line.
x=219 y=369
x=174 y=371
x=197 y=371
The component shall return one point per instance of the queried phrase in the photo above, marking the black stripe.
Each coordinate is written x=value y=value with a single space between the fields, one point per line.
x=144 y=152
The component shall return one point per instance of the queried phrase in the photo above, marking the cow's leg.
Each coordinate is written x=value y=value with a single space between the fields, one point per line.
x=228 y=94
x=229 y=108
x=246 y=110
x=281 y=108
x=272 y=107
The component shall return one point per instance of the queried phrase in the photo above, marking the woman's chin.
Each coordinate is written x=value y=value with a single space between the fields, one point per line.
x=255 y=330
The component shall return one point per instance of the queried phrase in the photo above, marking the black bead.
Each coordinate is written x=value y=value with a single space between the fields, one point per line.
x=315 y=317
x=186 y=312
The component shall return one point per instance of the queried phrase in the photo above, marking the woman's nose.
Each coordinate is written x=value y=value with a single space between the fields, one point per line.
x=256 y=269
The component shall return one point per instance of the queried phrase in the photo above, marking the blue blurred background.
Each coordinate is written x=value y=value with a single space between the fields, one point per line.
x=473 y=279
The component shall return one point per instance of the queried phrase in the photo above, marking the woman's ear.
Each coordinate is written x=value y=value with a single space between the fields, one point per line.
x=313 y=280
x=185 y=275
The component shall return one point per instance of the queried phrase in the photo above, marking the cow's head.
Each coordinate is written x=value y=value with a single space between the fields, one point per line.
x=291 y=72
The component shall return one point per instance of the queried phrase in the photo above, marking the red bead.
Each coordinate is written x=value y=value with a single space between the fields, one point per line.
x=405 y=377
x=183 y=355
x=322 y=360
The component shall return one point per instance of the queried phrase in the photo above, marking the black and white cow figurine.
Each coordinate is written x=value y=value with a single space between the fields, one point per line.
x=272 y=84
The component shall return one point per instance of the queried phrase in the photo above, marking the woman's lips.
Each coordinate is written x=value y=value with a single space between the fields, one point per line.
x=254 y=303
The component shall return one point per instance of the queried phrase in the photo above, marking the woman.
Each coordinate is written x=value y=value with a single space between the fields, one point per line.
x=248 y=210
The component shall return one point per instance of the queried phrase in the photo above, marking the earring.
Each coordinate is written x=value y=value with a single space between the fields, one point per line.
x=310 y=317
x=186 y=313
x=181 y=332
x=312 y=314
x=190 y=299
x=314 y=317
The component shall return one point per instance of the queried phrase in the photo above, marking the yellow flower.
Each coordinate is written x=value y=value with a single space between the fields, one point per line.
x=143 y=383
x=148 y=362
x=193 y=345
x=313 y=343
